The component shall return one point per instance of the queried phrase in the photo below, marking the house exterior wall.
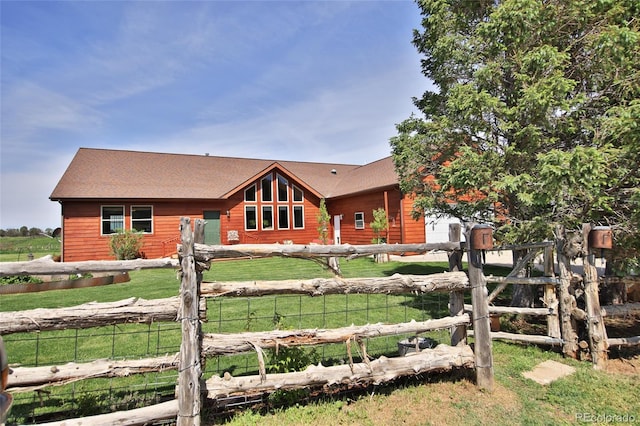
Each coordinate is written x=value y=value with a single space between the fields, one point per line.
x=413 y=231
x=366 y=203
x=83 y=239
x=310 y=205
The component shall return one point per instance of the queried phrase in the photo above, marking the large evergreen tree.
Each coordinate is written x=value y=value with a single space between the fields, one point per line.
x=536 y=113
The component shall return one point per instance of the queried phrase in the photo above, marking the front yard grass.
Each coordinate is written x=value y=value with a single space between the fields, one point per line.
x=435 y=399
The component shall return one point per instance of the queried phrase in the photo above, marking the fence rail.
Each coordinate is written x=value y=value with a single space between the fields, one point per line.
x=189 y=309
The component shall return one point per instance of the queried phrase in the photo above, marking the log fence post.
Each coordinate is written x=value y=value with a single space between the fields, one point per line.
x=595 y=322
x=550 y=298
x=483 y=349
x=189 y=367
x=456 y=297
x=566 y=301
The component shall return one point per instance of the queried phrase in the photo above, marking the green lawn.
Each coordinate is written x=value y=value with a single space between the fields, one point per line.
x=17 y=249
x=444 y=400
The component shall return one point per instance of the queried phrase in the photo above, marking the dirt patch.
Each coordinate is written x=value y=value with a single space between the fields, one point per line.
x=629 y=366
x=441 y=403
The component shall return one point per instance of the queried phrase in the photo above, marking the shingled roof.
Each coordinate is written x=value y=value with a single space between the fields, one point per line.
x=118 y=174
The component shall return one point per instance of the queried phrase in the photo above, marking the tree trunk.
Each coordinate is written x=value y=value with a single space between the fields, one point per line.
x=612 y=292
x=523 y=295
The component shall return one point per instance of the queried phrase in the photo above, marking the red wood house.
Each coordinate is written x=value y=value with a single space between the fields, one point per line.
x=242 y=201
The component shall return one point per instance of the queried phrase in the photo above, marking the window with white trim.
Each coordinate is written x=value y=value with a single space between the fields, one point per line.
x=142 y=219
x=298 y=217
x=250 y=218
x=275 y=206
x=298 y=195
x=283 y=189
x=112 y=219
x=283 y=217
x=266 y=184
x=250 y=193
x=359 y=220
x=267 y=217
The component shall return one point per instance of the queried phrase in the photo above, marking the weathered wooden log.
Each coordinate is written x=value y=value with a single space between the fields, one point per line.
x=528 y=246
x=514 y=310
x=624 y=341
x=209 y=252
x=24 y=379
x=93 y=314
x=189 y=399
x=522 y=280
x=595 y=324
x=550 y=296
x=46 y=266
x=620 y=310
x=503 y=282
x=578 y=314
x=524 y=338
x=483 y=349
x=456 y=298
x=227 y=344
x=138 y=416
x=566 y=301
x=395 y=284
x=381 y=370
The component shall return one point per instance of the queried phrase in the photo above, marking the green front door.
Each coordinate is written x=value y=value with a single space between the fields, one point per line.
x=212 y=227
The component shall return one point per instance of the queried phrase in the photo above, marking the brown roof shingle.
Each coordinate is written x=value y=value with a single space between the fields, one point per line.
x=117 y=174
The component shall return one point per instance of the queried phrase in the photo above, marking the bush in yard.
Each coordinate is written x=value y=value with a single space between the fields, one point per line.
x=126 y=245
x=19 y=279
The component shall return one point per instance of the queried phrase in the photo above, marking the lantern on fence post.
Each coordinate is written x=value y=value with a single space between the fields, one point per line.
x=601 y=237
x=481 y=240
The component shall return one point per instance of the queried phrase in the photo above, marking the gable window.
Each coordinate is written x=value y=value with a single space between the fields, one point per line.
x=359 y=219
x=267 y=217
x=267 y=188
x=250 y=193
x=298 y=217
x=142 y=219
x=112 y=219
x=250 y=218
x=283 y=188
x=283 y=217
x=297 y=194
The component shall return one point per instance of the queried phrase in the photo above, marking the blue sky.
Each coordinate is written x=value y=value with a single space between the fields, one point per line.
x=292 y=80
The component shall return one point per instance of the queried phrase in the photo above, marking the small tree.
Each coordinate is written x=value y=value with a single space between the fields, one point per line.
x=379 y=226
x=323 y=233
x=126 y=245
x=323 y=222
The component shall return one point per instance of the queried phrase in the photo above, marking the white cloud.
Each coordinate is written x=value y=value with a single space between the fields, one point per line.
x=351 y=123
x=307 y=81
x=28 y=110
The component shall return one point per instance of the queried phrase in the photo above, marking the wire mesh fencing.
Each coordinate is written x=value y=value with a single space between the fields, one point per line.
x=224 y=315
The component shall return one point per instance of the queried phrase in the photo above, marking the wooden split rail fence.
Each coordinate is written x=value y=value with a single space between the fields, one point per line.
x=560 y=301
x=189 y=308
